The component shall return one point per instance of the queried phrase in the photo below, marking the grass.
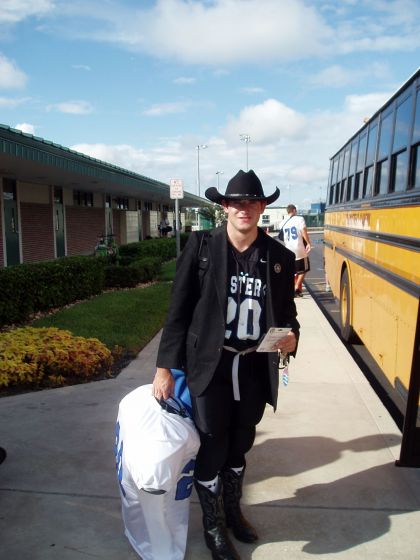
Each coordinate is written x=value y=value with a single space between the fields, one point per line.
x=125 y=318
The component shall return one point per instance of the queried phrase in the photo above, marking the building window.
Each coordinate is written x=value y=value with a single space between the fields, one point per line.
x=148 y=206
x=58 y=195
x=121 y=203
x=81 y=198
x=265 y=219
x=108 y=201
x=9 y=189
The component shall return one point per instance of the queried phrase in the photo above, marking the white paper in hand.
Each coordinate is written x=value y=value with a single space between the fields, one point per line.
x=273 y=335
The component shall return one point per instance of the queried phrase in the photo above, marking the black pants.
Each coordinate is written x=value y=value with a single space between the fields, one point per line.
x=226 y=426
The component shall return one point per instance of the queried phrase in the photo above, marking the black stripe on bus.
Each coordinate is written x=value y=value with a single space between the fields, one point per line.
x=388 y=201
x=407 y=286
x=402 y=241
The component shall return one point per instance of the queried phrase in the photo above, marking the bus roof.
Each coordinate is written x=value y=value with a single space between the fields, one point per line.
x=410 y=80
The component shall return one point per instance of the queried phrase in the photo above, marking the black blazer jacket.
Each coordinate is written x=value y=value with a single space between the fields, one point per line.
x=194 y=332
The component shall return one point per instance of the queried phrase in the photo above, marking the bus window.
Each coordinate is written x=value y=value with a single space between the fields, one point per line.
x=353 y=158
x=337 y=193
x=371 y=144
x=416 y=131
x=415 y=173
x=367 y=182
x=399 y=171
x=382 y=176
x=385 y=136
x=343 y=190
x=346 y=163
x=402 y=125
x=357 y=185
x=331 y=195
x=349 y=189
x=362 y=152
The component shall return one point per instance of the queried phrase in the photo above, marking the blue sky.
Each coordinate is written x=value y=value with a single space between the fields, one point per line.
x=141 y=84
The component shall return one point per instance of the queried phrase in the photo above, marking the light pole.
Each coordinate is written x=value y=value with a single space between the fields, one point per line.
x=199 y=147
x=247 y=139
x=218 y=173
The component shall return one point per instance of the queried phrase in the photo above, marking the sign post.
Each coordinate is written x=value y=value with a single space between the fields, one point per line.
x=176 y=193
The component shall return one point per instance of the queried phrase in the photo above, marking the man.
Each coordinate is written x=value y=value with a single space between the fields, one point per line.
x=295 y=236
x=231 y=285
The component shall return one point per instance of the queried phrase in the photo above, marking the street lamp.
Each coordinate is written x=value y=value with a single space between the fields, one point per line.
x=218 y=173
x=199 y=147
x=247 y=139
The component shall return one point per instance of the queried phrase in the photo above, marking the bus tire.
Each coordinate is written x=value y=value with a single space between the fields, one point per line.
x=347 y=331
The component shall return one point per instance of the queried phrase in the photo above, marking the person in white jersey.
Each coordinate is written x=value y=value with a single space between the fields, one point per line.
x=296 y=239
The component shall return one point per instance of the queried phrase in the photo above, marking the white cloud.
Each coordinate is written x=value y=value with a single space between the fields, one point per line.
x=252 y=90
x=81 y=67
x=366 y=104
x=215 y=33
x=10 y=75
x=183 y=81
x=161 y=109
x=11 y=103
x=337 y=76
x=73 y=107
x=26 y=127
x=225 y=32
x=267 y=122
x=13 y=11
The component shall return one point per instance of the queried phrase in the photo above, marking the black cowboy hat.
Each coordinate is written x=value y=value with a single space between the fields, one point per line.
x=243 y=186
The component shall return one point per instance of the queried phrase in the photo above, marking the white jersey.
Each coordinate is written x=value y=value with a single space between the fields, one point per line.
x=292 y=230
x=155 y=455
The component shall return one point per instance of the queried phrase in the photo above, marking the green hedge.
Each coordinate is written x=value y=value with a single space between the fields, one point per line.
x=139 y=271
x=29 y=288
x=164 y=248
x=26 y=289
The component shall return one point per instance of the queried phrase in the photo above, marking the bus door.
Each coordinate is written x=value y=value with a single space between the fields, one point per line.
x=11 y=225
x=59 y=222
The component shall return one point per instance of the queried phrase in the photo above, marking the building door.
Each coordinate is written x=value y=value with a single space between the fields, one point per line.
x=109 y=231
x=11 y=224
x=60 y=245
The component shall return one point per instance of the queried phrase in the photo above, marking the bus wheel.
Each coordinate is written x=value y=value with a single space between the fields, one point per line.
x=347 y=331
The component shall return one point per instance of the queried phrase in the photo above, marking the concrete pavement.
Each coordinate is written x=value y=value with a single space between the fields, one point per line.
x=321 y=479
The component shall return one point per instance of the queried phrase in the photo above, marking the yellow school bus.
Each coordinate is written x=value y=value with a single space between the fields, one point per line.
x=372 y=247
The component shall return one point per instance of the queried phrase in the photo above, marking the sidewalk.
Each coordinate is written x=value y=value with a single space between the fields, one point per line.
x=321 y=479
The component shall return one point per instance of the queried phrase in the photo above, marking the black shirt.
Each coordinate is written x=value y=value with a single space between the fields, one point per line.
x=246 y=294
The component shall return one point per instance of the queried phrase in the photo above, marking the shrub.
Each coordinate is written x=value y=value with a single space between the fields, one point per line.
x=29 y=288
x=148 y=268
x=48 y=356
x=165 y=248
x=117 y=276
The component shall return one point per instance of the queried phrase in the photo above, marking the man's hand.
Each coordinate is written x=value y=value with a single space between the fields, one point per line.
x=287 y=344
x=163 y=384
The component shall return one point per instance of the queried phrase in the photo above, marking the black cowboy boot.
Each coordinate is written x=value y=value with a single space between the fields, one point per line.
x=215 y=534
x=232 y=493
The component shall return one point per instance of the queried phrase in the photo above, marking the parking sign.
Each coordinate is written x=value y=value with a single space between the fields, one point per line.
x=176 y=188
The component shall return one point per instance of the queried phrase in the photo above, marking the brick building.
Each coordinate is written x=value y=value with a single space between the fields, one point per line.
x=57 y=202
